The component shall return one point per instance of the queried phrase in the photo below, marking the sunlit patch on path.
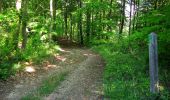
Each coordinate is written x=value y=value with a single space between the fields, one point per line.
x=60 y=58
x=30 y=69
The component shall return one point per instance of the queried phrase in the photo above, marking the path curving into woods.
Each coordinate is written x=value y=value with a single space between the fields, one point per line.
x=84 y=81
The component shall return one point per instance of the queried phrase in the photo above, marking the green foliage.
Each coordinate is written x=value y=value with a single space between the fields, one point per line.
x=124 y=75
x=8 y=22
x=37 y=48
x=155 y=21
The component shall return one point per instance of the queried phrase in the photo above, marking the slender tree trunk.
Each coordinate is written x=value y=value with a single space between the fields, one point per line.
x=73 y=35
x=137 y=14
x=122 y=17
x=53 y=4
x=109 y=16
x=130 y=17
x=65 y=19
x=80 y=24
x=0 y=5
x=88 y=24
x=92 y=24
x=155 y=4
x=24 y=22
x=71 y=27
x=71 y=21
x=16 y=35
x=134 y=14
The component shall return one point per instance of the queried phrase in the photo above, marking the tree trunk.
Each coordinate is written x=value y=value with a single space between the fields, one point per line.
x=53 y=14
x=88 y=21
x=92 y=25
x=130 y=17
x=137 y=14
x=16 y=35
x=0 y=5
x=24 y=22
x=134 y=14
x=65 y=19
x=71 y=19
x=109 y=16
x=122 y=17
x=80 y=24
x=155 y=4
x=71 y=27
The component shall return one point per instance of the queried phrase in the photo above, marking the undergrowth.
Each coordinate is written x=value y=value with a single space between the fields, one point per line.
x=126 y=75
x=37 y=48
x=34 y=54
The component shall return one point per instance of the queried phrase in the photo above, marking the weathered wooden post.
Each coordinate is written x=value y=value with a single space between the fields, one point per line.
x=153 y=62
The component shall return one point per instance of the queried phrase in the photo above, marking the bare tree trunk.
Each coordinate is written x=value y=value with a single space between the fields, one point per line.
x=130 y=17
x=109 y=16
x=24 y=22
x=65 y=18
x=88 y=21
x=134 y=14
x=92 y=25
x=137 y=14
x=16 y=35
x=71 y=27
x=80 y=23
x=122 y=17
x=155 y=4
x=53 y=14
x=71 y=19
x=0 y=5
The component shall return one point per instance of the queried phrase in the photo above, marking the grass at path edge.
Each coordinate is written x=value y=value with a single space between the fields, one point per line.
x=47 y=87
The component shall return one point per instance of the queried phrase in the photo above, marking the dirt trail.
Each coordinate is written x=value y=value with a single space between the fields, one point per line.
x=83 y=83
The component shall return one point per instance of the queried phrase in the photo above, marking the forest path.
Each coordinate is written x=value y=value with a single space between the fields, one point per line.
x=84 y=81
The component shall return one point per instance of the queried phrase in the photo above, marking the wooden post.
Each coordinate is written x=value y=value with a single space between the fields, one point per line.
x=153 y=62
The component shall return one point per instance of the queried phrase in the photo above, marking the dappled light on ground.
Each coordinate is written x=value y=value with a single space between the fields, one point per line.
x=62 y=50
x=60 y=58
x=28 y=63
x=30 y=69
x=50 y=66
x=87 y=54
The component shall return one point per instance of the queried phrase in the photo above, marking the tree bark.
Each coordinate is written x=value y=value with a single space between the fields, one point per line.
x=0 y=5
x=130 y=17
x=71 y=27
x=53 y=4
x=109 y=15
x=80 y=23
x=122 y=20
x=65 y=19
x=24 y=22
x=134 y=14
x=88 y=23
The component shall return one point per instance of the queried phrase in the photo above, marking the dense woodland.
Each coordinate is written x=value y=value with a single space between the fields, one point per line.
x=117 y=29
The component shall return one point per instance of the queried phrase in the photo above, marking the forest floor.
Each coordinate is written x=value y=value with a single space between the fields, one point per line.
x=83 y=82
